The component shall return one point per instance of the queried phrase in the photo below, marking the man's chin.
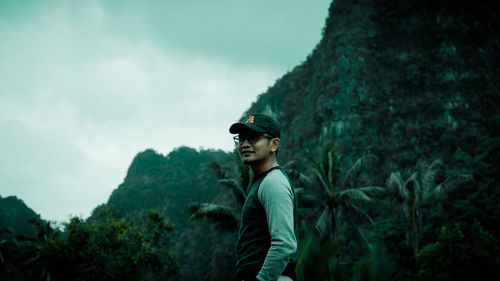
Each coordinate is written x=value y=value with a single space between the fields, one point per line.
x=248 y=160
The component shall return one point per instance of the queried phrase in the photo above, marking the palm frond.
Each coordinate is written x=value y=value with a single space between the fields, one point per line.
x=220 y=214
x=362 y=162
x=355 y=194
x=305 y=178
x=413 y=185
x=325 y=156
x=307 y=199
x=245 y=175
x=362 y=193
x=361 y=211
x=314 y=164
x=331 y=172
x=322 y=181
x=288 y=165
x=216 y=169
x=430 y=173
x=298 y=190
x=437 y=192
x=372 y=190
x=235 y=188
x=324 y=224
x=396 y=184
x=456 y=181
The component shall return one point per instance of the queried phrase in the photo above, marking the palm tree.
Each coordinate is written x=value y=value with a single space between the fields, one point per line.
x=320 y=247
x=225 y=217
x=339 y=198
x=419 y=190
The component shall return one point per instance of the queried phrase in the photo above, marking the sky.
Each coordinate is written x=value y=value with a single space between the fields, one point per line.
x=85 y=85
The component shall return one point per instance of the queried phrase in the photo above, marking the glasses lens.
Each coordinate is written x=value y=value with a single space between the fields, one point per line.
x=252 y=138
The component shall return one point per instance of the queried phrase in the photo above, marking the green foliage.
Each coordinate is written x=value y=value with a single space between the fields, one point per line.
x=316 y=259
x=393 y=80
x=110 y=247
x=225 y=217
x=417 y=194
x=376 y=266
x=244 y=172
x=401 y=80
x=464 y=252
x=220 y=218
x=337 y=199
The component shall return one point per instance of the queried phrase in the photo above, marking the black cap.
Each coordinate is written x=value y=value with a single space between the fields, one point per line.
x=259 y=123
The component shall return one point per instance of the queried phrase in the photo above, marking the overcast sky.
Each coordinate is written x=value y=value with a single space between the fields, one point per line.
x=86 y=84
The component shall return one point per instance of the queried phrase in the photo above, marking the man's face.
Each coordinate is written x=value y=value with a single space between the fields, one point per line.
x=255 y=147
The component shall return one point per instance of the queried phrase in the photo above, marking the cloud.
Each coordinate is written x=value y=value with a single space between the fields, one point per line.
x=76 y=106
x=86 y=85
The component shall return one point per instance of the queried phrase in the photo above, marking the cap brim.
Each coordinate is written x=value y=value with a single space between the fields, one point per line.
x=236 y=128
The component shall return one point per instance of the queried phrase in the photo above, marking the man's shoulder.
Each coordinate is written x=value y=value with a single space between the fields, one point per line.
x=276 y=175
x=275 y=182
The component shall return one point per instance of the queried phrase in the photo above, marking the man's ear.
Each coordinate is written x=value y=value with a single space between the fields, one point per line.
x=275 y=143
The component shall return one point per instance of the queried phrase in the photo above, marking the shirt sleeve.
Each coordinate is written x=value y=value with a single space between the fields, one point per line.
x=276 y=195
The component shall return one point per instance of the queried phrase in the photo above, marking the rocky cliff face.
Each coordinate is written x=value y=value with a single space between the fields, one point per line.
x=405 y=80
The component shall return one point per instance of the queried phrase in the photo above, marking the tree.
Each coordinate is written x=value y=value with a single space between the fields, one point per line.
x=462 y=252
x=207 y=249
x=223 y=219
x=224 y=216
x=339 y=198
x=417 y=192
x=111 y=247
x=318 y=258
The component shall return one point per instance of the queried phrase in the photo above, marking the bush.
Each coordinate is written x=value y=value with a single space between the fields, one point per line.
x=461 y=253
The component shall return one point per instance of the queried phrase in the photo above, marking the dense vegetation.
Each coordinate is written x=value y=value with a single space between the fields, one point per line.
x=390 y=136
x=108 y=247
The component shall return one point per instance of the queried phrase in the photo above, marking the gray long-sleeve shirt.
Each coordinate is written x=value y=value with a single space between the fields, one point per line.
x=277 y=197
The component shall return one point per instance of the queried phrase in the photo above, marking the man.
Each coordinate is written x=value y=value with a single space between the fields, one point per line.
x=267 y=240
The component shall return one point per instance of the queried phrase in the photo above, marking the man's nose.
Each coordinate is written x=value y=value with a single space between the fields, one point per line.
x=245 y=143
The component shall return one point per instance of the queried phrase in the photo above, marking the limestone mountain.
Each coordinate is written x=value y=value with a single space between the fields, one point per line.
x=167 y=182
x=404 y=80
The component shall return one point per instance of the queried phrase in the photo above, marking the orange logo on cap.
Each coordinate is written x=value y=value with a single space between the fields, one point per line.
x=249 y=120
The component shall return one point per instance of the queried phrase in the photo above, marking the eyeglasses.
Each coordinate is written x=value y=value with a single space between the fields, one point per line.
x=252 y=138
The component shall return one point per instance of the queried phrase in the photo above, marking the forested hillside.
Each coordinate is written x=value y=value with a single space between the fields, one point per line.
x=389 y=135
x=135 y=236
x=407 y=90
x=404 y=80
x=15 y=217
x=168 y=182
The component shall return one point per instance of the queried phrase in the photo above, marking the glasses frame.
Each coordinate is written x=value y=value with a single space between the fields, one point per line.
x=239 y=142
